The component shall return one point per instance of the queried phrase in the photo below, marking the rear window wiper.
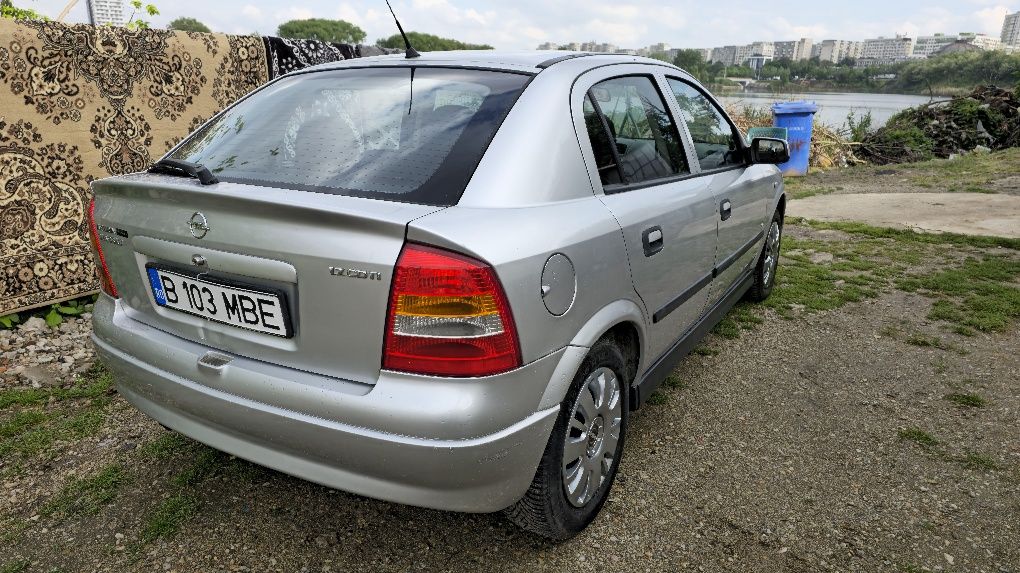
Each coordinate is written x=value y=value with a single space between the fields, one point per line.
x=178 y=167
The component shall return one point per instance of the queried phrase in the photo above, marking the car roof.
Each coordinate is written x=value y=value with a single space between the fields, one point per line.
x=526 y=61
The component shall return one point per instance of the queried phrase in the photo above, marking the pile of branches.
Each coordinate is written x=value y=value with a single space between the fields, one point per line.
x=830 y=146
x=987 y=119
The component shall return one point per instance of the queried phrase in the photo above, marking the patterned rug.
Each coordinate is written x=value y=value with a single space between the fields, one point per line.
x=286 y=55
x=78 y=103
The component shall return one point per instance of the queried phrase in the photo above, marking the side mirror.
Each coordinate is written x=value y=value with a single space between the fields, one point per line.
x=769 y=151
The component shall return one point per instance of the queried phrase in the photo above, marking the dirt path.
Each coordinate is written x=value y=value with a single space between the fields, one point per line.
x=963 y=213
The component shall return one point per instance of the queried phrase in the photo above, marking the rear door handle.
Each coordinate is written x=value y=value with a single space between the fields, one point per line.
x=651 y=240
x=725 y=209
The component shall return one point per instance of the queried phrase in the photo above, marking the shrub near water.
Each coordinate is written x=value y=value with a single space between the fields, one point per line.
x=989 y=117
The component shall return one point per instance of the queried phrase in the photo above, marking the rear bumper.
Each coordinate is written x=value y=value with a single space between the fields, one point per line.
x=434 y=453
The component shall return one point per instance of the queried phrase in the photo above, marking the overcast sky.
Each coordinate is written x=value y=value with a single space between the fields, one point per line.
x=523 y=24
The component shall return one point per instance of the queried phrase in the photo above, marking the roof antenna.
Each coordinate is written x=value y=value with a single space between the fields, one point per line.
x=411 y=52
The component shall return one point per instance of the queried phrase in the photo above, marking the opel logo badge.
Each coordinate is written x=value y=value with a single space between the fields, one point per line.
x=198 y=225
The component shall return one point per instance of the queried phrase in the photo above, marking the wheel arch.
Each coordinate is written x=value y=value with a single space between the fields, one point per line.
x=621 y=320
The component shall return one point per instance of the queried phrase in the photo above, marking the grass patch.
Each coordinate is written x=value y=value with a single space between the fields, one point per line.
x=673 y=383
x=741 y=317
x=16 y=566
x=42 y=416
x=11 y=528
x=979 y=295
x=973 y=170
x=95 y=382
x=978 y=461
x=657 y=399
x=918 y=436
x=166 y=446
x=207 y=463
x=705 y=350
x=32 y=432
x=84 y=496
x=966 y=400
x=168 y=518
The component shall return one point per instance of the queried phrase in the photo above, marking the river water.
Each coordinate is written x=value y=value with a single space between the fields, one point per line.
x=834 y=107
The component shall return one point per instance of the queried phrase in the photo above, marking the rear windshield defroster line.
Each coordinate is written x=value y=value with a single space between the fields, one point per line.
x=402 y=134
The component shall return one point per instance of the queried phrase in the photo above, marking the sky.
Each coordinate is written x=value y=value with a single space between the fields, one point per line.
x=523 y=24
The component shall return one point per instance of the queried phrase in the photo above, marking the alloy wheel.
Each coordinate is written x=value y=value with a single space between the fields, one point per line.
x=589 y=451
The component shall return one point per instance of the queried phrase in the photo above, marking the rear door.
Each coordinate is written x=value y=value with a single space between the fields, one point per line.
x=742 y=193
x=667 y=216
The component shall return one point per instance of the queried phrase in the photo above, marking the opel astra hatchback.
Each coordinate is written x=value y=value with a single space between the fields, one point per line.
x=443 y=281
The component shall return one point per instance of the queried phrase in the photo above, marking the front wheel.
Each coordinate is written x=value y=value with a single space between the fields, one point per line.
x=768 y=262
x=583 y=453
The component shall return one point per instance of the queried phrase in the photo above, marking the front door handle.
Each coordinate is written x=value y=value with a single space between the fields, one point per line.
x=651 y=240
x=725 y=209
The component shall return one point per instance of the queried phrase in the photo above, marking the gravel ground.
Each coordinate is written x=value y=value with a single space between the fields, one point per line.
x=35 y=355
x=783 y=450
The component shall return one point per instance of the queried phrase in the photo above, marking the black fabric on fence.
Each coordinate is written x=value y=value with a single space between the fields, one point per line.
x=285 y=55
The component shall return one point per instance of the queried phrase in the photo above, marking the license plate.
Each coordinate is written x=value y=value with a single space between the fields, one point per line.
x=260 y=311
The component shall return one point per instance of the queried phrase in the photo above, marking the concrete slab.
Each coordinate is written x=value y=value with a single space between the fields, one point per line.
x=963 y=213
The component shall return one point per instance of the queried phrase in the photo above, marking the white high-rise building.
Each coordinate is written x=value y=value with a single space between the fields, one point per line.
x=106 y=12
x=887 y=50
x=983 y=41
x=836 y=51
x=925 y=46
x=1011 y=30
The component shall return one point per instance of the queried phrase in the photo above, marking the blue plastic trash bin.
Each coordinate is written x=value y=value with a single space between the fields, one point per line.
x=797 y=118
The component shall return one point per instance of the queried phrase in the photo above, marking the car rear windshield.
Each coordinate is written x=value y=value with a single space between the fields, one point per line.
x=402 y=134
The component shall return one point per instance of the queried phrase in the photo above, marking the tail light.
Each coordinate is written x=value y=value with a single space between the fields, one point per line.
x=105 y=280
x=448 y=316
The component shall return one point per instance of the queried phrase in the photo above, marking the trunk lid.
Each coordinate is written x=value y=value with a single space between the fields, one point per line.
x=330 y=256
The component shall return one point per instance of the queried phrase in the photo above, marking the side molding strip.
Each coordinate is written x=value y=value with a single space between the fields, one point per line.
x=703 y=281
x=665 y=364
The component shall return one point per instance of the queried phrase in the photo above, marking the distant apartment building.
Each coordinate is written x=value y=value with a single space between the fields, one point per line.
x=983 y=41
x=1011 y=30
x=725 y=55
x=548 y=46
x=602 y=47
x=887 y=50
x=103 y=12
x=836 y=51
x=794 y=49
x=926 y=46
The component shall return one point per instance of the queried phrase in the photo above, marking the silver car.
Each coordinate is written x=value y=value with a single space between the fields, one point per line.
x=442 y=281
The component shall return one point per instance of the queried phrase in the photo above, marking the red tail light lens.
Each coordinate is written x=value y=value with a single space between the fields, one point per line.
x=448 y=316
x=105 y=280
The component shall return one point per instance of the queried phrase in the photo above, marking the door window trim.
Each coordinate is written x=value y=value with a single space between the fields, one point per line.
x=615 y=188
x=733 y=127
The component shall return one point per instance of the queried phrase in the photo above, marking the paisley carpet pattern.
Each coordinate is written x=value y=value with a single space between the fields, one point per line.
x=79 y=103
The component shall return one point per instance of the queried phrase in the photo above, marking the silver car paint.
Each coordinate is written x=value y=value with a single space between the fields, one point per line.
x=319 y=406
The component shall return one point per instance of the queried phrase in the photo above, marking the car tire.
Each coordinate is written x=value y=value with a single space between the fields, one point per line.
x=558 y=505
x=768 y=261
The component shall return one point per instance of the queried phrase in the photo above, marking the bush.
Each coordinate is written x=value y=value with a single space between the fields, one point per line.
x=989 y=117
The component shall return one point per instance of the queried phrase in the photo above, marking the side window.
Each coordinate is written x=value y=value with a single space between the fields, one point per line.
x=601 y=144
x=642 y=134
x=714 y=141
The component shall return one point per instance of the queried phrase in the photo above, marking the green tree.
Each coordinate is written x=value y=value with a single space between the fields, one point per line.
x=339 y=31
x=429 y=43
x=134 y=23
x=188 y=25
x=8 y=10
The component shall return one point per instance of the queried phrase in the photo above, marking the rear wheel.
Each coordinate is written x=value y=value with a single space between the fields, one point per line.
x=583 y=453
x=768 y=262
